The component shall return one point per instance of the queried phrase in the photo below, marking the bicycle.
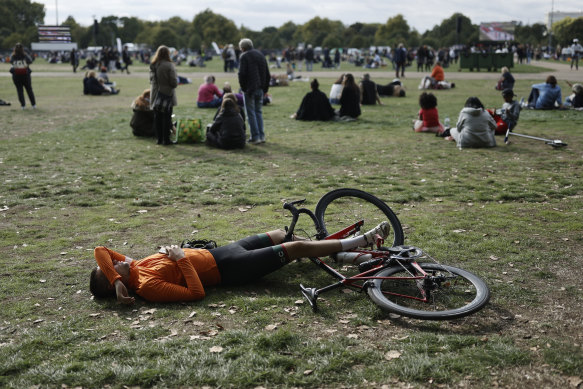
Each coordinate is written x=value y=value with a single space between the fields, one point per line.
x=391 y=276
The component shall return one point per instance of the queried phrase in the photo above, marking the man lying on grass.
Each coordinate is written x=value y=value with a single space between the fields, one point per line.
x=176 y=274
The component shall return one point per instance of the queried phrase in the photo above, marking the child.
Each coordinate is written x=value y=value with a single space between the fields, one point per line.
x=506 y=117
x=428 y=120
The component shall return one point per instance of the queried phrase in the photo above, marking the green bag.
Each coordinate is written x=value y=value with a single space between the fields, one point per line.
x=189 y=131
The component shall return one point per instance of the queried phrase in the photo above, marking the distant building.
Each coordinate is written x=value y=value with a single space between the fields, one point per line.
x=557 y=16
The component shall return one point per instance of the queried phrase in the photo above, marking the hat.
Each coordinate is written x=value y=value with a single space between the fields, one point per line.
x=575 y=40
x=508 y=92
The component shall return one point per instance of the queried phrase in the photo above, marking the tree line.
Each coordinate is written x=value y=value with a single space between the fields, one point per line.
x=21 y=17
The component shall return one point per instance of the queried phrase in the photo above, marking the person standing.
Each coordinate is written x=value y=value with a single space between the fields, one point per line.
x=21 y=75
x=163 y=82
x=254 y=81
x=74 y=60
x=400 y=58
x=309 y=58
x=127 y=60
x=577 y=51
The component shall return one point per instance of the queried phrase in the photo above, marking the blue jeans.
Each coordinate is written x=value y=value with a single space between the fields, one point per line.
x=253 y=106
x=216 y=102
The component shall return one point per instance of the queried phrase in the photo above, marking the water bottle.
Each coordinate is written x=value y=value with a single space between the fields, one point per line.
x=352 y=257
x=447 y=122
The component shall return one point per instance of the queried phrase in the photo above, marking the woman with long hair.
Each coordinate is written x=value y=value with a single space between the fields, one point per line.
x=163 y=82
x=350 y=98
x=21 y=75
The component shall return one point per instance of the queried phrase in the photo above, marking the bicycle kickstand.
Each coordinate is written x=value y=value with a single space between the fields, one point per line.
x=311 y=294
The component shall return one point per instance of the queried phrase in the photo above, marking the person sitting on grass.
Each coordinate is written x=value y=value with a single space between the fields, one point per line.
x=349 y=99
x=176 y=274
x=315 y=105
x=368 y=91
x=506 y=80
x=546 y=95
x=428 y=119
x=209 y=96
x=506 y=117
x=575 y=100
x=142 y=122
x=436 y=80
x=475 y=126
x=228 y=128
x=97 y=87
x=336 y=90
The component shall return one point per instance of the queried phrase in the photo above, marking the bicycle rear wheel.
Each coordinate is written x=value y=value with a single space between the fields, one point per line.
x=462 y=293
x=342 y=207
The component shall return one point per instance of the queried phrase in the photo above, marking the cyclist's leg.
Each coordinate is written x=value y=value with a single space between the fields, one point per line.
x=239 y=265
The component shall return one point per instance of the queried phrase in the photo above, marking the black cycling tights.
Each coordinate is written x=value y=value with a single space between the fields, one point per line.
x=248 y=259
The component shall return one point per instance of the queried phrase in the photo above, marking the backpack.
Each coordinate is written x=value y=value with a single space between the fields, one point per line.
x=199 y=244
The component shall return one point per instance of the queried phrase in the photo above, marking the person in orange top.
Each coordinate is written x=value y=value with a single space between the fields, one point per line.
x=437 y=73
x=176 y=274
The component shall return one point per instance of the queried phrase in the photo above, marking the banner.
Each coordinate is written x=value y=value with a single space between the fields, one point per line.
x=497 y=31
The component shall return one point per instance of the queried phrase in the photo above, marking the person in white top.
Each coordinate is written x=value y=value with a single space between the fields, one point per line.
x=336 y=90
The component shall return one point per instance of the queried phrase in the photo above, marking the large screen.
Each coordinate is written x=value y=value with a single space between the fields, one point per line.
x=497 y=31
x=54 y=34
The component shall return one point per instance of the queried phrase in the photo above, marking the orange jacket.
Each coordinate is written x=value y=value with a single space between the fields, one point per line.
x=159 y=279
x=437 y=73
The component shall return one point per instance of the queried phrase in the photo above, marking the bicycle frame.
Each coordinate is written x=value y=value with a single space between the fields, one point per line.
x=359 y=281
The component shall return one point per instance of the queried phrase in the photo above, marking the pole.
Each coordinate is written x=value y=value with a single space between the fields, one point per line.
x=57 y=10
x=551 y=26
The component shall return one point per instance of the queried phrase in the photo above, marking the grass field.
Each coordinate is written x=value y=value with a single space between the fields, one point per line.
x=74 y=177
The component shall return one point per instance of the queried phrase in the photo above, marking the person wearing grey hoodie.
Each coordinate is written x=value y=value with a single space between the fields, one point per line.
x=475 y=126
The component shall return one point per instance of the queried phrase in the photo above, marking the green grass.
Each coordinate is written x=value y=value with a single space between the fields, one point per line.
x=74 y=177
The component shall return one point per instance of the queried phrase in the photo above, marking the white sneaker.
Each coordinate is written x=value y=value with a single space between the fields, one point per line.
x=382 y=229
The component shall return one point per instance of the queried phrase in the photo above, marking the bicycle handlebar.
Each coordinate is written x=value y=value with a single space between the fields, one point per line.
x=291 y=206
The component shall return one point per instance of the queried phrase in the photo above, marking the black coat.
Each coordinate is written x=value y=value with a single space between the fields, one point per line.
x=350 y=102
x=315 y=106
x=92 y=86
x=227 y=131
x=253 y=72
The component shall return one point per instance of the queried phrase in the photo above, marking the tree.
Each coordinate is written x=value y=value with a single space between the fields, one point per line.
x=164 y=36
x=130 y=29
x=396 y=30
x=215 y=28
x=445 y=34
x=286 y=34
x=565 y=30
x=77 y=31
x=317 y=29
x=535 y=34
x=18 y=17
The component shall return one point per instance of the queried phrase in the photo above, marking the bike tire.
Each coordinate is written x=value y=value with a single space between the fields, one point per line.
x=444 y=305
x=342 y=207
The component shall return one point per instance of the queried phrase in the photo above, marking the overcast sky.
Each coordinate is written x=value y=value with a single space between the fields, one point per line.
x=257 y=14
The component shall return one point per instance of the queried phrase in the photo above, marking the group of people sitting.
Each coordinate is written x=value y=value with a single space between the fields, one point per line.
x=476 y=126
x=436 y=80
x=547 y=95
x=346 y=93
x=96 y=85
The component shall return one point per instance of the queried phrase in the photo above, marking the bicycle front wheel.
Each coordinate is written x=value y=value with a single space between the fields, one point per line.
x=341 y=208
x=460 y=293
